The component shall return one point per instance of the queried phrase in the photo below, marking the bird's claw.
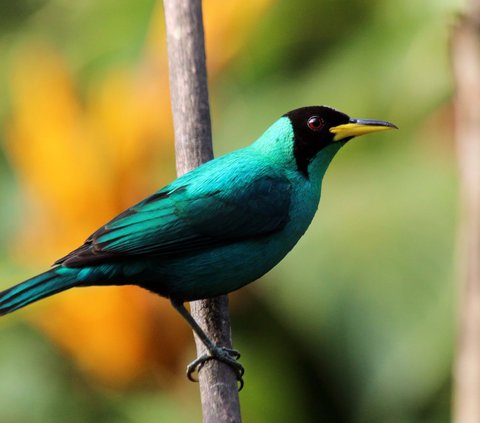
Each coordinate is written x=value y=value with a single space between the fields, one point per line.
x=225 y=355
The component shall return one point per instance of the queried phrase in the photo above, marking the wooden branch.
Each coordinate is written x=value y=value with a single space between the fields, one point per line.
x=193 y=146
x=466 y=65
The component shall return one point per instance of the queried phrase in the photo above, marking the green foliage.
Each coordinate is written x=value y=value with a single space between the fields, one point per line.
x=15 y=14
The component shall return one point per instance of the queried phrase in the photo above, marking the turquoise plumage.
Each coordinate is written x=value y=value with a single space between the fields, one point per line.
x=216 y=228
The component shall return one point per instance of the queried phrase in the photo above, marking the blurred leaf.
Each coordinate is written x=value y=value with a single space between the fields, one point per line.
x=38 y=385
x=14 y=13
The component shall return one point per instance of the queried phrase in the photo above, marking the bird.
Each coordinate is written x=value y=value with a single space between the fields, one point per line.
x=214 y=229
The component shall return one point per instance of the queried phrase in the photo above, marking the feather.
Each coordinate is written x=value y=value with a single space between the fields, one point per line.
x=191 y=215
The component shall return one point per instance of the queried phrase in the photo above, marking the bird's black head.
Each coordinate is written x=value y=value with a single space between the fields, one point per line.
x=316 y=127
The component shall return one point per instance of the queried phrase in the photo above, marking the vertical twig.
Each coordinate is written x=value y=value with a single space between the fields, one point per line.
x=466 y=65
x=193 y=146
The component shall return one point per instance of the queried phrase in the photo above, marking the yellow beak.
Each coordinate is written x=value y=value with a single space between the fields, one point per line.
x=357 y=127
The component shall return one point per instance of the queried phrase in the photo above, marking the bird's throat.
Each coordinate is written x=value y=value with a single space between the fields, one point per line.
x=318 y=165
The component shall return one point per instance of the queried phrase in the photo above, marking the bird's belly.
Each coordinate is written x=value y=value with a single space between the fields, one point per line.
x=227 y=268
x=218 y=271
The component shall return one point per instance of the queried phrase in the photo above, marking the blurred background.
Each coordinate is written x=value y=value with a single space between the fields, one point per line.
x=356 y=325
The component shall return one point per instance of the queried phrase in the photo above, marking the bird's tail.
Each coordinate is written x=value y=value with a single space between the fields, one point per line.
x=40 y=286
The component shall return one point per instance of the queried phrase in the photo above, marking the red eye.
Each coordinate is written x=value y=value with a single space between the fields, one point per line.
x=315 y=123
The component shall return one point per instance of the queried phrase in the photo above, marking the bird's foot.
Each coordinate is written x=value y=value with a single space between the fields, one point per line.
x=225 y=355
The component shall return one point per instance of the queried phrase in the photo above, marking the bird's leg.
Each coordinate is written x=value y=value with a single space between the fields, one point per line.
x=226 y=355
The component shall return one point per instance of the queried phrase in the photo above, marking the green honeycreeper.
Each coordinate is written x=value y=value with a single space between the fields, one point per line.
x=214 y=229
